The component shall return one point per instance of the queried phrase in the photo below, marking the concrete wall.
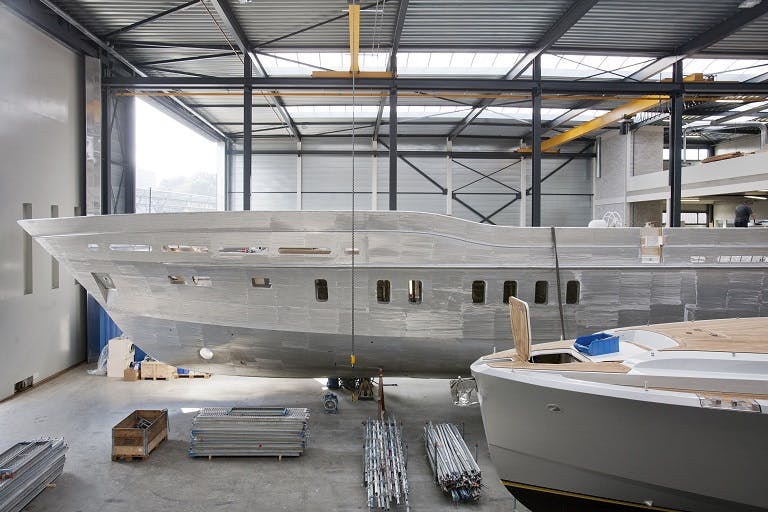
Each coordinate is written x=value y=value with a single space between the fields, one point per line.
x=746 y=144
x=623 y=156
x=647 y=211
x=41 y=143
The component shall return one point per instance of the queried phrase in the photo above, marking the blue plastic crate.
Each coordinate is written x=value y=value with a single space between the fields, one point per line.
x=597 y=344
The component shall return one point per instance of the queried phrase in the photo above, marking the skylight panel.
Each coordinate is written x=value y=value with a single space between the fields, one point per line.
x=440 y=60
x=732 y=70
x=505 y=61
x=460 y=63
x=485 y=60
x=462 y=60
x=331 y=60
x=749 y=106
x=741 y=119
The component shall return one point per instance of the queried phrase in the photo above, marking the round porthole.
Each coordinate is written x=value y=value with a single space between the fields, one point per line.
x=206 y=353
x=554 y=408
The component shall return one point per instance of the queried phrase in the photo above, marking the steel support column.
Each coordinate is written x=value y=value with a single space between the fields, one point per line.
x=393 y=147
x=229 y=172
x=247 y=133
x=675 y=147
x=106 y=150
x=536 y=147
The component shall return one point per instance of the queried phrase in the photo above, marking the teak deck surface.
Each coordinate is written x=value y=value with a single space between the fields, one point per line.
x=725 y=335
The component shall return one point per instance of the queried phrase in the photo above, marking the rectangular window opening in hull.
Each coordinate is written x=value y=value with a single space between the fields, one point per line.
x=130 y=247
x=321 y=290
x=185 y=248
x=572 y=292
x=510 y=290
x=383 y=289
x=177 y=280
x=202 y=281
x=478 y=292
x=540 y=296
x=242 y=250
x=304 y=250
x=414 y=291
x=261 y=282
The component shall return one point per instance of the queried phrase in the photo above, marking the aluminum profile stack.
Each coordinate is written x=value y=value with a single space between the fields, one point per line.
x=456 y=471
x=27 y=468
x=384 y=464
x=249 y=432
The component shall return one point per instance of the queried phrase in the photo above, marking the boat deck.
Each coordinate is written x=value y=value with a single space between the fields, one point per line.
x=724 y=335
x=743 y=335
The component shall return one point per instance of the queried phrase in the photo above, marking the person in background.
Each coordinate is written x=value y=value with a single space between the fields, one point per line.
x=743 y=213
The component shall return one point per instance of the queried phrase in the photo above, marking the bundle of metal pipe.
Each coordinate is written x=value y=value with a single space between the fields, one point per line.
x=27 y=468
x=384 y=464
x=249 y=432
x=456 y=471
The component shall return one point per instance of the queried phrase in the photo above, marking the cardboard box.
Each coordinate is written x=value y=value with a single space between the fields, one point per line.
x=130 y=374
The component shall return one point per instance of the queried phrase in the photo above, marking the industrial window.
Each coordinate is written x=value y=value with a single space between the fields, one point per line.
x=414 y=291
x=321 y=290
x=176 y=279
x=540 y=295
x=478 y=292
x=27 y=214
x=510 y=290
x=382 y=290
x=54 y=261
x=572 y=290
x=202 y=281
x=260 y=282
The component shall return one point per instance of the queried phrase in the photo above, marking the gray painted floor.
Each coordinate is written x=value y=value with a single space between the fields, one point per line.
x=84 y=408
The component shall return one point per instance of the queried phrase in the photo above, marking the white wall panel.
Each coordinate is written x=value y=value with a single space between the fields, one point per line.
x=41 y=140
x=326 y=183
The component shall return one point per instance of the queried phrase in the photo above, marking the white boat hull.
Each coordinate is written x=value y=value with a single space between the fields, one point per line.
x=554 y=446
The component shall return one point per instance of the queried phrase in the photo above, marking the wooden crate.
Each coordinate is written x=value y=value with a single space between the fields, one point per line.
x=131 y=442
x=155 y=370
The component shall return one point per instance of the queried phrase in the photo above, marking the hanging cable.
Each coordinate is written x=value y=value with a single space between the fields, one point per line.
x=354 y=248
x=559 y=290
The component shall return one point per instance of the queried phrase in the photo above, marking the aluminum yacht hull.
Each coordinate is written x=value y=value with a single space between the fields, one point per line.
x=176 y=283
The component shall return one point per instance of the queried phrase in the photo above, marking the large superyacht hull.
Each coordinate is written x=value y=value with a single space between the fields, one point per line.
x=176 y=283
x=560 y=450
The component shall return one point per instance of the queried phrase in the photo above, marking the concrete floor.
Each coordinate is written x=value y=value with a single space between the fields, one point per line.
x=84 y=408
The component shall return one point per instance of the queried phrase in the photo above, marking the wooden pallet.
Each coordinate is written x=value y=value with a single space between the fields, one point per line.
x=154 y=370
x=194 y=375
x=130 y=442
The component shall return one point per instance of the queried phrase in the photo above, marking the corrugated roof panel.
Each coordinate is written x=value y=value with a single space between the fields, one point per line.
x=197 y=24
x=104 y=16
x=650 y=25
x=498 y=24
x=753 y=38
x=267 y=22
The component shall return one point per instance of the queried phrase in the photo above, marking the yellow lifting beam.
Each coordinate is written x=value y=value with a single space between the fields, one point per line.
x=354 y=53
x=617 y=114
